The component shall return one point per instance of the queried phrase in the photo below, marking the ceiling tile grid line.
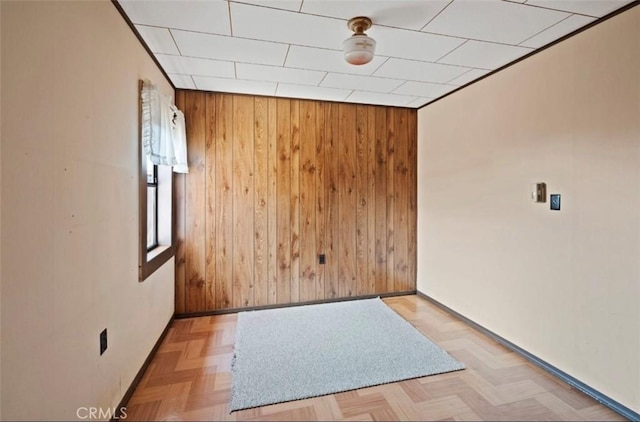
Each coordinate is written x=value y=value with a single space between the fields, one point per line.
x=421 y=29
x=493 y=21
x=557 y=31
x=425 y=49
x=545 y=29
x=247 y=68
x=341 y=23
x=462 y=40
x=438 y=14
x=591 y=8
x=542 y=4
x=224 y=32
x=446 y=54
x=163 y=58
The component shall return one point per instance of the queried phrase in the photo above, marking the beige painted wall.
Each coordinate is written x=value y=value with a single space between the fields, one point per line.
x=69 y=165
x=563 y=285
x=0 y=202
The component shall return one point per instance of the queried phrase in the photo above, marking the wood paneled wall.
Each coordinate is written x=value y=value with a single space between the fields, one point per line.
x=273 y=183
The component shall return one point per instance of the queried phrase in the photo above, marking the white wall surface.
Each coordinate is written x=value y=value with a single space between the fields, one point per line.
x=563 y=285
x=69 y=210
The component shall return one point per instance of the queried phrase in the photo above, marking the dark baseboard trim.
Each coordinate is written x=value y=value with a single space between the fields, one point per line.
x=118 y=415
x=575 y=383
x=288 y=305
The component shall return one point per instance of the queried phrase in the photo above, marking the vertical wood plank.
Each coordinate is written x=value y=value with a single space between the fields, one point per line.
x=195 y=203
x=179 y=200
x=272 y=201
x=308 y=262
x=210 y=199
x=295 y=200
x=331 y=216
x=371 y=200
x=261 y=154
x=274 y=183
x=284 y=201
x=391 y=140
x=224 y=201
x=412 y=209
x=381 y=201
x=321 y=191
x=401 y=200
x=362 y=206
x=243 y=205
x=347 y=200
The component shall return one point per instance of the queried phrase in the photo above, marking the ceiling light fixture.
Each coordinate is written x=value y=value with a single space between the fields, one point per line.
x=359 y=48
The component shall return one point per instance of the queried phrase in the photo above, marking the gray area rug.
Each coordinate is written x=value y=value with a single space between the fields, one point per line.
x=307 y=351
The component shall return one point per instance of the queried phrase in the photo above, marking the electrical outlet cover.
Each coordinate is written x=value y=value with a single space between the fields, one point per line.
x=103 y=341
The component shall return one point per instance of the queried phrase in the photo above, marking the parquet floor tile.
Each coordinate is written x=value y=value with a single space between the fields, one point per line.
x=189 y=378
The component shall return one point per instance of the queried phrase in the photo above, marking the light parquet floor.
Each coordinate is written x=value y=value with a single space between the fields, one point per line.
x=190 y=379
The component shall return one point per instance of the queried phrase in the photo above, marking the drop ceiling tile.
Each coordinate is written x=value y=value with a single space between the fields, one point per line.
x=287 y=27
x=484 y=55
x=419 y=102
x=314 y=92
x=193 y=66
x=360 y=83
x=276 y=50
x=278 y=74
x=363 y=97
x=558 y=30
x=424 y=89
x=157 y=39
x=195 y=44
x=597 y=8
x=182 y=81
x=209 y=16
x=469 y=76
x=493 y=20
x=419 y=71
x=328 y=60
x=414 y=45
x=234 y=85
x=409 y=14
x=276 y=4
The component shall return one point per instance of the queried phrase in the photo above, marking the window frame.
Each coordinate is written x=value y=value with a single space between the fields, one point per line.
x=150 y=260
x=154 y=185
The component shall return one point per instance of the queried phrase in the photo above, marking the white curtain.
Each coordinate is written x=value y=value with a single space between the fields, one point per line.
x=163 y=130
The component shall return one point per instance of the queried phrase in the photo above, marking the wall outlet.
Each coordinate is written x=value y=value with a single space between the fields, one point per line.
x=103 y=341
x=322 y=259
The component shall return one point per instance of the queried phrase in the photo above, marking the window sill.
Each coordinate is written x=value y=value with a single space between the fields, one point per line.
x=155 y=259
x=157 y=251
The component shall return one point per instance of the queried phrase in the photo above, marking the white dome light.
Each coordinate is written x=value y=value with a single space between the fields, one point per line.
x=359 y=48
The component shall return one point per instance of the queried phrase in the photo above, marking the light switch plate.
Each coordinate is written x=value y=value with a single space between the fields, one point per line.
x=539 y=192
x=555 y=201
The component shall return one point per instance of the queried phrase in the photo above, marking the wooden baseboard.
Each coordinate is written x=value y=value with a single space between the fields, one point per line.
x=119 y=415
x=287 y=305
x=574 y=382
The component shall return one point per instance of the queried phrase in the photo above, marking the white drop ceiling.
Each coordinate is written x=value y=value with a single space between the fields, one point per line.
x=293 y=48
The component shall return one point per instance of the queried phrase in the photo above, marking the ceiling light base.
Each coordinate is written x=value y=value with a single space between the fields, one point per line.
x=359 y=48
x=359 y=24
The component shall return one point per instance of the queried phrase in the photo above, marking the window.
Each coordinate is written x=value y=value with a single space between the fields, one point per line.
x=156 y=245
x=155 y=214
x=152 y=205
